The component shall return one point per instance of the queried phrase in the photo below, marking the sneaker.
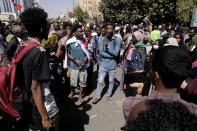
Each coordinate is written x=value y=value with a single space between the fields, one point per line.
x=95 y=101
x=108 y=99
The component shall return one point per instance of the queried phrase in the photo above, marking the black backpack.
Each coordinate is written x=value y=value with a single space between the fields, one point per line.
x=118 y=59
x=141 y=57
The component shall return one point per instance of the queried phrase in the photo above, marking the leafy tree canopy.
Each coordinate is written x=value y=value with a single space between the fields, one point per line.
x=132 y=11
x=80 y=14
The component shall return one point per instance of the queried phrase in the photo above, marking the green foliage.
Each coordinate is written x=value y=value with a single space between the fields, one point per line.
x=85 y=14
x=80 y=14
x=185 y=9
x=135 y=10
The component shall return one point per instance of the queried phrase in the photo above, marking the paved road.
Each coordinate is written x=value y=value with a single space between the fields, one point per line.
x=104 y=116
x=90 y=117
x=87 y=116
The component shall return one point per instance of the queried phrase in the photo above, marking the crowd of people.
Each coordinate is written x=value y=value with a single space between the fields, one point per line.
x=158 y=63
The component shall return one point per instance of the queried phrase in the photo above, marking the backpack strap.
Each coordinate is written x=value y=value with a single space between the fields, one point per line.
x=22 y=53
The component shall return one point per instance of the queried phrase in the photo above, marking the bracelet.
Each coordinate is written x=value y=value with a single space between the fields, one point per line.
x=73 y=59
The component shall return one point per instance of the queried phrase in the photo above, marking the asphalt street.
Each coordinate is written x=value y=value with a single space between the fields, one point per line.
x=106 y=116
x=89 y=117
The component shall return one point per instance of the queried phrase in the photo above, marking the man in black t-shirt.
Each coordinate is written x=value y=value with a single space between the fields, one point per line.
x=33 y=73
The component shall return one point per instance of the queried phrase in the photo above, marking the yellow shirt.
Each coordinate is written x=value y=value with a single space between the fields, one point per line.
x=9 y=37
x=52 y=40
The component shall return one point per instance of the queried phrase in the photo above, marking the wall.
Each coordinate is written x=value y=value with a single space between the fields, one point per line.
x=90 y=5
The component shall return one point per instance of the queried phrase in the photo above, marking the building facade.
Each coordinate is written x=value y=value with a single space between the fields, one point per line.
x=6 y=6
x=8 y=9
x=91 y=6
x=36 y=3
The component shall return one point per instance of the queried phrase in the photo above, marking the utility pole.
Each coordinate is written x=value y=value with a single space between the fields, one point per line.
x=67 y=9
x=73 y=5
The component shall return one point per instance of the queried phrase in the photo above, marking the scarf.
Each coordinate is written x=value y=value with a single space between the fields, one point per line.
x=82 y=43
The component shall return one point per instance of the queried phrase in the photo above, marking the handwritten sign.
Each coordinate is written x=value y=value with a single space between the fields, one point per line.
x=194 y=18
x=6 y=17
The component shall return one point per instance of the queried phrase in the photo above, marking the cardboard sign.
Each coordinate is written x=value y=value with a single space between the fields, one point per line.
x=194 y=18
x=6 y=17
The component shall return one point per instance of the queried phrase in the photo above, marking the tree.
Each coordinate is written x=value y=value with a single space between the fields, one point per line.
x=85 y=14
x=184 y=10
x=131 y=11
x=81 y=15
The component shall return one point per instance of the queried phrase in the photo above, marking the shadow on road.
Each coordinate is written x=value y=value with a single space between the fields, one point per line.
x=91 y=84
x=72 y=118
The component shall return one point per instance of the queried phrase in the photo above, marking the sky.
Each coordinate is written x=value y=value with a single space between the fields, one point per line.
x=55 y=7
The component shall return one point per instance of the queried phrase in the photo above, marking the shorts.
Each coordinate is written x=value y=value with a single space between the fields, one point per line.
x=78 y=74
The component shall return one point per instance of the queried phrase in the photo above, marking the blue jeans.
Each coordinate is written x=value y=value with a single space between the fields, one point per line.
x=101 y=76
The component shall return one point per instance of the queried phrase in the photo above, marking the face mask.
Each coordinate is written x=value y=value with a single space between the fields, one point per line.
x=134 y=40
x=190 y=35
x=155 y=47
x=145 y=41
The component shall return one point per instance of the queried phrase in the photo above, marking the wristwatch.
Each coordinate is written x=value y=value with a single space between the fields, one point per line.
x=73 y=59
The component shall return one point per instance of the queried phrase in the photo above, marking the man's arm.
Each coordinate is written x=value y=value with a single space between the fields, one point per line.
x=114 y=51
x=78 y=62
x=69 y=55
x=58 y=53
x=37 y=96
x=101 y=50
x=52 y=39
